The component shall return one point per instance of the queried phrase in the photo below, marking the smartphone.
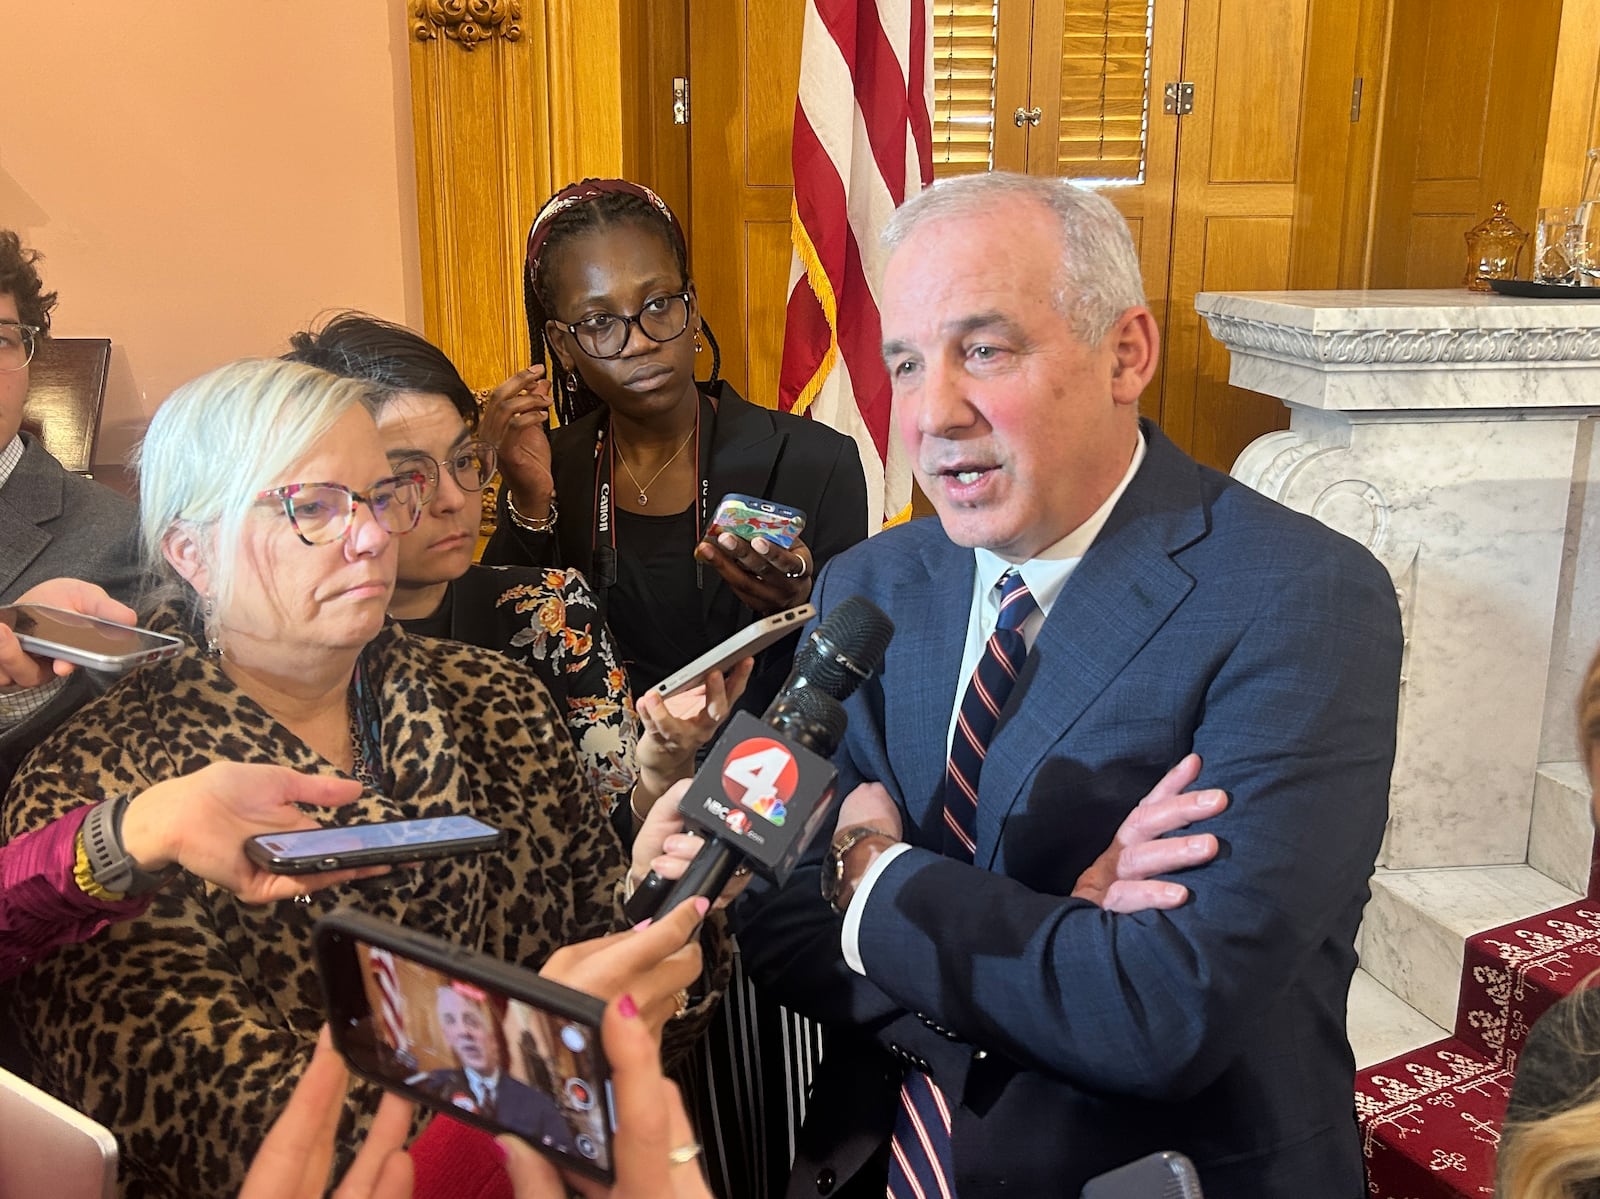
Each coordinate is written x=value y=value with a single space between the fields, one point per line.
x=1165 y=1175
x=461 y=1032
x=750 y=517
x=389 y=842
x=751 y=639
x=86 y=640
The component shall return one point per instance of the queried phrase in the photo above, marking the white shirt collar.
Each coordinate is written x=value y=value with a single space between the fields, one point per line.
x=1047 y=572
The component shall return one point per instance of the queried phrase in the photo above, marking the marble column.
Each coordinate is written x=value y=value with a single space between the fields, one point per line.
x=1448 y=432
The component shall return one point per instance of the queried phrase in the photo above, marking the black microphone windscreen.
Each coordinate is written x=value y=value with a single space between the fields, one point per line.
x=845 y=648
x=811 y=716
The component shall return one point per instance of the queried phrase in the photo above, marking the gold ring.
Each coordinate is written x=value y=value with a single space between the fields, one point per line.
x=681 y=996
x=684 y=1154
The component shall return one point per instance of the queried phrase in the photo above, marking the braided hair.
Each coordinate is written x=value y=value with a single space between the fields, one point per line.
x=594 y=205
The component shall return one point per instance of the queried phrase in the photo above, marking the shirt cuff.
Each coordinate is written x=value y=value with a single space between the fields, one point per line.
x=850 y=938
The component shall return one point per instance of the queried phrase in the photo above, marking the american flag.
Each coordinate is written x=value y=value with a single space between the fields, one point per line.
x=862 y=145
x=391 y=1003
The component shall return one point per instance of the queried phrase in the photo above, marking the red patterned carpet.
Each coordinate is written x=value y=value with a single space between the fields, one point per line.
x=1430 y=1118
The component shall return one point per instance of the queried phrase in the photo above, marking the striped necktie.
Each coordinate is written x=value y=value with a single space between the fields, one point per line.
x=921 y=1165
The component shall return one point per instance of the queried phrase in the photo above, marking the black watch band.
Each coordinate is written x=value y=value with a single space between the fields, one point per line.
x=112 y=866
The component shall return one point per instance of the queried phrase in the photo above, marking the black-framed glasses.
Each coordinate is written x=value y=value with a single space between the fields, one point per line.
x=322 y=513
x=471 y=466
x=605 y=334
x=17 y=343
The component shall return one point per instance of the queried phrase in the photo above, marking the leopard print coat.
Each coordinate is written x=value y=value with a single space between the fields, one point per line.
x=184 y=1031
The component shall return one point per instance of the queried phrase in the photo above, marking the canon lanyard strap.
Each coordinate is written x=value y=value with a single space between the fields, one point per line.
x=603 y=546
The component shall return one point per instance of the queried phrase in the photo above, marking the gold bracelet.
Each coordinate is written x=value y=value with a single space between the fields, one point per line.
x=528 y=523
x=633 y=793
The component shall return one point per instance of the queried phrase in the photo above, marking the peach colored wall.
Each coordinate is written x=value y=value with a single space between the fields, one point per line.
x=204 y=179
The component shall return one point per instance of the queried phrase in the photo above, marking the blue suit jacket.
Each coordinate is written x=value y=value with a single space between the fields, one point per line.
x=1071 y=1040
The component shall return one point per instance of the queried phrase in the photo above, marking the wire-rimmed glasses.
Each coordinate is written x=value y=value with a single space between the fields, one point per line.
x=605 y=334
x=471 y=466
x=17 y=343
x=322 y=513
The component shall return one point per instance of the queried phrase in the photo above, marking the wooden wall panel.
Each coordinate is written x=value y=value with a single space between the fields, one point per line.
x=1574 y=102
x=655 y=151
x=1467 y=113
x=768 y=252
x=1258 y=95
x=1240 y=254
x=504 y=112
x=745 y=64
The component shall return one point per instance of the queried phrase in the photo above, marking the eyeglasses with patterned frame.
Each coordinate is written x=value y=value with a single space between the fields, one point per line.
x=605 y=334
x=17 y=344
x=322 y=513
x=471 y=466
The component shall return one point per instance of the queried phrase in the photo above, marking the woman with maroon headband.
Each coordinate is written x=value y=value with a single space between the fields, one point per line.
x=624 y=490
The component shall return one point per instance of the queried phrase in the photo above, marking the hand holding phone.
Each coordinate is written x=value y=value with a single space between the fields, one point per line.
x=382 y=843
x=654 y=1134
x=749 y=517
x=18 y=668
x=85 y=640
x=746 y=643
x=460 y=1032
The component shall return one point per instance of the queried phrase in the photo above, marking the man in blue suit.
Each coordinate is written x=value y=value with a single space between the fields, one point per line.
x=480 y=1084
x=991 y=1033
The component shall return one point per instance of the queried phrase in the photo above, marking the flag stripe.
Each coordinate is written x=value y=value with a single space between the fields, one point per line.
x=862 y=145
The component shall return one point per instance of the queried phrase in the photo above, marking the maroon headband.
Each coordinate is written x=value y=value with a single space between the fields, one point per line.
x=582 y=192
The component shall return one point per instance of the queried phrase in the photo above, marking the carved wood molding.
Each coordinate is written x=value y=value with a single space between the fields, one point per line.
x=467 y=22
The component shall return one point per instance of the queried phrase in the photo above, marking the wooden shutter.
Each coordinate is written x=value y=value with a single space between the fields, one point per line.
x=1105 y=88
x=964 y=48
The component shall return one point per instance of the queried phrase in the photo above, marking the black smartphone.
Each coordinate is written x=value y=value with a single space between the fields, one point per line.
x=86 y=640
x=389 y=842
x=1165 y=1175
x=464 y=1033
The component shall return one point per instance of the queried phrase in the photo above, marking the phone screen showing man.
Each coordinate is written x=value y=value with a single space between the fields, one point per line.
x=532 y=1072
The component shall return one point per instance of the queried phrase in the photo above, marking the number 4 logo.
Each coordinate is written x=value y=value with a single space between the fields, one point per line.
x=761 y=775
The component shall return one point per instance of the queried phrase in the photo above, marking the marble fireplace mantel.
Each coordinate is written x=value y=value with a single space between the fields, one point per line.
x=1447 y=431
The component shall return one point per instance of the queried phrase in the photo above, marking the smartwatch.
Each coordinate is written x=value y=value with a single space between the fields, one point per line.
x=833 y=881
x=113 y=866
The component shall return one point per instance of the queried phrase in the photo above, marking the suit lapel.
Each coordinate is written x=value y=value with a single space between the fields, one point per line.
x=928 y=652
x=1125 y=589
x=32 y=496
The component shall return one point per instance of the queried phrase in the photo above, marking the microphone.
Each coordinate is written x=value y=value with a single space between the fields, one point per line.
x=766 y=786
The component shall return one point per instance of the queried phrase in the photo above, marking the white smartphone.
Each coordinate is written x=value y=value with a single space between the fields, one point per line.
x=86 y=640
x=751 y=639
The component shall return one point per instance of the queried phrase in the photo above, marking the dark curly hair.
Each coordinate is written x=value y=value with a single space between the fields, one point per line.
x=20 y=280
x=538 y=294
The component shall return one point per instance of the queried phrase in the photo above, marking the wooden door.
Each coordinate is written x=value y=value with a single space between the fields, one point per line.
x=744 y=69
x=1098 y=69
x=1260 y=198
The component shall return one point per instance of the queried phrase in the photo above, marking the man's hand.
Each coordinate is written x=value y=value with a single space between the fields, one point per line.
x=19 y=670
x=1122 y=878
x=870 y=804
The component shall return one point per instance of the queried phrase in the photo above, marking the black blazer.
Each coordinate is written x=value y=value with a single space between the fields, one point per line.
x=754 y=451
